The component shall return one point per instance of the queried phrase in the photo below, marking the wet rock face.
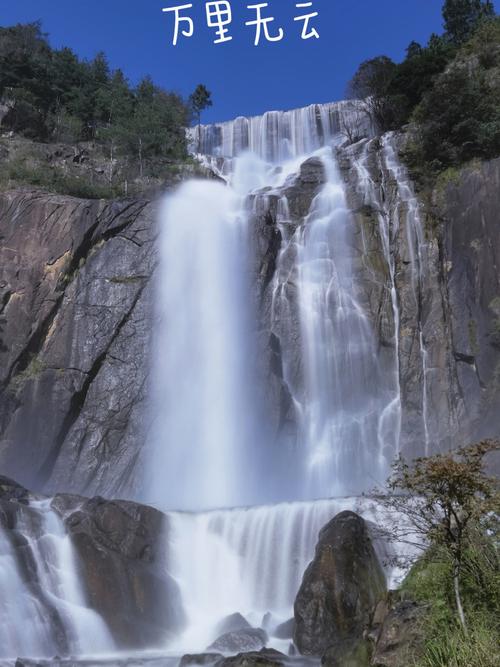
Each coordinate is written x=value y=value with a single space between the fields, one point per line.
x=121 y=546
x=340 y=589
x=75 y=321
x=469 y=209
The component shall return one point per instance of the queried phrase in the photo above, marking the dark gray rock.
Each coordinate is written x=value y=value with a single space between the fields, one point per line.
x=351 y=653
x=285 y=630
x=266 y=657
x=74 y=331
x=232 y=623
x=200 y=659
x=340 y=589
x=241 y=641
x=400 y=637
x=121 y=546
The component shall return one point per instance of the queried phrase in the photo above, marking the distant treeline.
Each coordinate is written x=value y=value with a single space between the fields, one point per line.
x=52 y=95
x=449 y=89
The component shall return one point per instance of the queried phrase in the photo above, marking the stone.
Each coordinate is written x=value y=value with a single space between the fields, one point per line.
x=285 y=630
x=266 y=657
x=340 y=588
x=121 y=549
x=242 y=641
x=400 y=637
x=200 y=659
x=348 y=654
x=232 y=623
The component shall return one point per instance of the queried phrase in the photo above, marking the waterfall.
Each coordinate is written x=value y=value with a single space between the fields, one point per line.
x=206 y=455
x=252 y=560
x=408 y=206
x=201 y=430
x=40 y=581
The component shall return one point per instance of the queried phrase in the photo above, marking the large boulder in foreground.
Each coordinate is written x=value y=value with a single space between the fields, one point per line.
x=121 y=545
x=340 y=589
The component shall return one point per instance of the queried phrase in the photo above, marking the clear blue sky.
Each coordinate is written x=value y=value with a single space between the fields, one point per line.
x=244 y=80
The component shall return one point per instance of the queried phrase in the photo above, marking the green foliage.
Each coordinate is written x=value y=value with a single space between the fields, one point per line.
x=22 y=172
x=449 y=89
x=445 y=643
x=53 y=95
x=199 y=100
x=461 y=17
x=459 y=117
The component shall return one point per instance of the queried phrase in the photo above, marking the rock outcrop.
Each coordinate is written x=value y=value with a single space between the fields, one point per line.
x=119 y=565
x=75 y=321
x=121 y=548
x=340 y=589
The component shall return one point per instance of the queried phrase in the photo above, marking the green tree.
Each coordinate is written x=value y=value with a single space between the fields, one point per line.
x=446 y=498
x=199 y=100
x=461 y=17
x=371 y=83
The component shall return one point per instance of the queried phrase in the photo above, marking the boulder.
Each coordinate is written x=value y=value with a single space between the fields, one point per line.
x=120 y=546
x=340 y=589
x=285 y=630
x=242 y=641
x=400 y=635
x=232 y=623
x=200 y=659
x=266 y=657
x=355 y=653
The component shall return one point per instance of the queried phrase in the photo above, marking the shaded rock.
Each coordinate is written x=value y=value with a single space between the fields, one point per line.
x=266 y=657
x=348 y=654
x=11 y=490
x=120 y=546
x=340 y=589
x=232 y=623
x=200 y=659
x=285 y=630
x=242 y=641
x=400 y=636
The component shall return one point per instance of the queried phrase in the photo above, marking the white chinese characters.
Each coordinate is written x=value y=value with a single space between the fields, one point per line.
x=219 y=17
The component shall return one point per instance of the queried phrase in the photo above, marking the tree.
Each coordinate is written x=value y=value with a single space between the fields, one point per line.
x=371 y=83
x=445 y=498
x=461 y=17
x=199 y=100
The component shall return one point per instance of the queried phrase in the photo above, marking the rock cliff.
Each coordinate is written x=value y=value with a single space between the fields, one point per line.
x=76 y=316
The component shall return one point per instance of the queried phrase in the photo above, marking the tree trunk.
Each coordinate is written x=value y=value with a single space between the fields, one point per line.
x=458 y=599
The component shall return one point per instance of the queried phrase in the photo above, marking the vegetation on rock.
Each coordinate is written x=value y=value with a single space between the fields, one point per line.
x=452 y=507
x=50 y=95
x=449 y=90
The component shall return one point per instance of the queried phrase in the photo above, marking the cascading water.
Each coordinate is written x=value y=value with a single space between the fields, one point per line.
x=204 y=453
x=40 y=581
x=252 y=560
x=408 y=205
x=201 y=428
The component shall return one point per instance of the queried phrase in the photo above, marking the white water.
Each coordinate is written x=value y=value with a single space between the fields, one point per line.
x=42 y=591
x=252 y=561
x=348 y=404
x=417 y=249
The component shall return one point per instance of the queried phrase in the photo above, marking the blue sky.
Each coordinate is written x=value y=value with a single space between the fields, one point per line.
x=244 y=79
